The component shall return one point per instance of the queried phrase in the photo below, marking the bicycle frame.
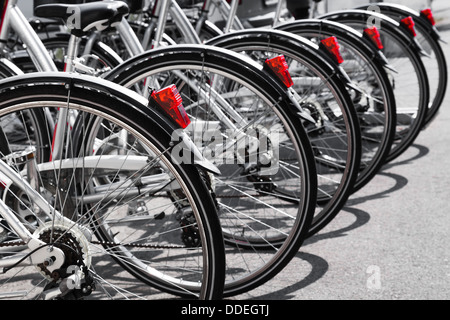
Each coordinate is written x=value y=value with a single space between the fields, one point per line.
x=8 y=176
x=15 y=19
x=228 y=10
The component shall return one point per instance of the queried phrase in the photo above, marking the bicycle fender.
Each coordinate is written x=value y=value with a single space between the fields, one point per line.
x=212 y=28
x=383 y=20
x=339 y=30
x=404 y=11
x=9 y=67
x=292 y=43
x=289 y=42
x=138 y=102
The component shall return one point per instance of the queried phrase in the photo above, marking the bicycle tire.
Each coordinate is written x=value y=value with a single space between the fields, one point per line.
x=239 y=72
x=378 y=115
x=153 y=132
x=428 y=36
x=306 y=58
x=403 y=53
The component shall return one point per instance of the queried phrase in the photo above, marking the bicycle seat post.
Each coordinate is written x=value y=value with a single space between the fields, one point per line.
x=164 y=6
x=233 y=10
x=276 y=19
x=203 y=16
x=72 y=53
x=25 y=32
x=69 y=66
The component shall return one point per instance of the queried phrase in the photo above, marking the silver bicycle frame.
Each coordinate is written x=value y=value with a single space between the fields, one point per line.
x=15 y=19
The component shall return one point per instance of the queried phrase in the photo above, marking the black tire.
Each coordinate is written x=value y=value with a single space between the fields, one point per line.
x=401 y=44
x=428 y=37
x=98 y=98
x=376 y=146
x=306 y=57
x=244 y=72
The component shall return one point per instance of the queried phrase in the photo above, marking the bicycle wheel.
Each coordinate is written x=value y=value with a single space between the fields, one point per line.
x=428 y=38
x=335 y=134
x=335 y=139
x=267 y=191
x=410 y=83
x=375 y=106
x=128 y=220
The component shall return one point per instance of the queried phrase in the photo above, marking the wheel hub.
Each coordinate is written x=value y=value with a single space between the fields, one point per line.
x=69 y=239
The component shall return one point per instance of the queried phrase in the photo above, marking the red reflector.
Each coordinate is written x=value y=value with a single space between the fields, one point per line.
x=428 y=14
x=374 y=34
x=169 y=99
x=332 y=45
x=409 y=23
x=280 y=67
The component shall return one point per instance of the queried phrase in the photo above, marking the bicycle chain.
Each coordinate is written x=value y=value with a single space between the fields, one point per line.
x=12 y=244
x=104 y=243
x=137 y=245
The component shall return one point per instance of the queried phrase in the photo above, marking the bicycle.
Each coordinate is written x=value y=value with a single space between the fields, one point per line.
x=268 y=40
x=63 y=219
x=365 y=66
x=306 y=171
x=429 y=38
x=396 y=37
x=410 y=83
x=426 y=34
x=369 y=69
x=335 y=186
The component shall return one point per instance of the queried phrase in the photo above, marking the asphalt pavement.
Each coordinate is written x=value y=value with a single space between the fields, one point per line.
x=391 y=241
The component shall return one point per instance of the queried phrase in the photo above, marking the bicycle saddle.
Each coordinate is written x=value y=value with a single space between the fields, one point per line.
x=80 y=18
